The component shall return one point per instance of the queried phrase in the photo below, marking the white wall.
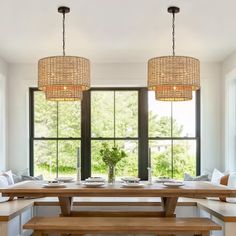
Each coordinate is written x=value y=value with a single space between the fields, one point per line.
x=211 y=117
x=3 y=114
x=22 y=76
x=229 y=111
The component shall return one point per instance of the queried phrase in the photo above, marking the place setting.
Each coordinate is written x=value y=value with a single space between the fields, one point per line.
x=173 y=184
x=54 y=184
x=94 y=182
x=58 y=182
x=169 y=182
x=131 y=182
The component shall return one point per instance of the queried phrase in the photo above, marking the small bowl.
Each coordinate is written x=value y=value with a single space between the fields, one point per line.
x=53 y=181
x=130 y=179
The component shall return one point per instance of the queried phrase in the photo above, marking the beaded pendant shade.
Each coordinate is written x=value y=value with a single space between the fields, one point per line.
x=63 y=78
x=173 y=78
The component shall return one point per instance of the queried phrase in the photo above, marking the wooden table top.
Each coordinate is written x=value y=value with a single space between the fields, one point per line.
x=190 y=189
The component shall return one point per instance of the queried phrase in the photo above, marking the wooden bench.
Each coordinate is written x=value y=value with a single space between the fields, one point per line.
x=13 y=215
x=223 y=213
x=121 y=225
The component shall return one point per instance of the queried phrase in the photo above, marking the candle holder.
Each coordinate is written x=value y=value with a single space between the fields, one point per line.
x=78 y=177
x=149 y=176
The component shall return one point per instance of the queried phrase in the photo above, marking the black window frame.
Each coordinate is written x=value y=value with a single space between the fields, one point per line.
x=86 y=138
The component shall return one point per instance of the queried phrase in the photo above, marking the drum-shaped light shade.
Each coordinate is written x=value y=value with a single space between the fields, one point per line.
x=64 y=76
x=176 y=74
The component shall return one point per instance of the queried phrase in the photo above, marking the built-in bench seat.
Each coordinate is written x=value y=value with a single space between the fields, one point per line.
x=13 y=215
x=121 y=225
x=222 y=210
x=11 y=209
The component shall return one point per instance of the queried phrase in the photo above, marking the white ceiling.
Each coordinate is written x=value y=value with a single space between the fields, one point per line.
x=116 y=30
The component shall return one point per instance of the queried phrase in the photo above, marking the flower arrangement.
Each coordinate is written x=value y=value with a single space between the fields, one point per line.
x=111 y=156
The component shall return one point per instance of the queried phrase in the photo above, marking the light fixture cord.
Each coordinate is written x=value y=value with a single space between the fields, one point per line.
x=63 y=32
x=173 y=34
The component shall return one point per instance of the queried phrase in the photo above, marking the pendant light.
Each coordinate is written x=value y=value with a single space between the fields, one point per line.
x=63 y=78
x=173 y=78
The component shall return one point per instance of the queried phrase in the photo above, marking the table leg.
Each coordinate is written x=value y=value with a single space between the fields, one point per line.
x=169 y=205
x=65 y=204
x=11 y=198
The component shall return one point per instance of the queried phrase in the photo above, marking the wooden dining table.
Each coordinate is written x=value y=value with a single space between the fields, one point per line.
x=169 y=195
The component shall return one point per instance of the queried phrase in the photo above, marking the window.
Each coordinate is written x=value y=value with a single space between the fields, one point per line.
x=114 y=119
x=128 y=117
x=56 y=136
x=172 y=137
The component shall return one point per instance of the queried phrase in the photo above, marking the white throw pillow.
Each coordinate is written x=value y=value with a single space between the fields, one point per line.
x=215 y=179
x=188 y=177
x=9 y=177
x=3 y=183
x=216 y=176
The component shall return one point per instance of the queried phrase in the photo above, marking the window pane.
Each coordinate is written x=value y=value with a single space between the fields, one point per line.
x=129 y=165
x=184 y=158
x=126 y=167
x=161 y=158
x=102 y=114
x=159 y=117
x=69 y=119
x=67 y=157
x=184 y=116
x=126 y=113
x=45 y=116
x=45 y=158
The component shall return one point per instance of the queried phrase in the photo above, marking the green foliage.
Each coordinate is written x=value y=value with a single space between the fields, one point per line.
x=182 y=162
x=111 y=156
x=161 y=126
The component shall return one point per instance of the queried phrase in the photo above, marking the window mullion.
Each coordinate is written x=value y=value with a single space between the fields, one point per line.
x=86 y=135
x=114 y=117
x=143 y=133
x=57 y=151
x=172 y=142
x=198 y=131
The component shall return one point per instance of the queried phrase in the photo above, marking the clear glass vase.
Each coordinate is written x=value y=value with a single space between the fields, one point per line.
x=111 y=174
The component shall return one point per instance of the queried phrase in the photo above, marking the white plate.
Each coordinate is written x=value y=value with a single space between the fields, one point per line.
x=65 y=179
x=133 y=185
x=93 y=184
x=95 y=179
x=54 y=185
x=173 y=184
